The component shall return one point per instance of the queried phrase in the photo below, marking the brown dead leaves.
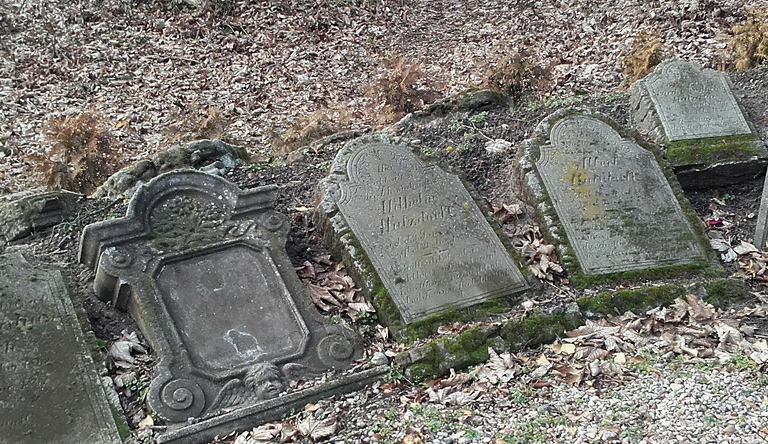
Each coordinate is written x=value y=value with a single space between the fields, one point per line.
x=690 y=327
x=306 y=425
x=331 y=288
x=541 y=257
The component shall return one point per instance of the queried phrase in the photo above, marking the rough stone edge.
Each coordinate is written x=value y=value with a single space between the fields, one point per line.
x=257 y=414
x=546 y=211
x=97 y=392
x=124 y=183
x=645 y=119
x=23 y=213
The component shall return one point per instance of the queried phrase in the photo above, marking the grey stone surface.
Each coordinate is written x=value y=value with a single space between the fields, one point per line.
x=201 y=265
x=23 y=213
x=689 y=102
x=194 y=154
x=249 y=416
x=761 y=229
x=611 y=197
x=421 y=230
x=694 y=112
x=49 y=390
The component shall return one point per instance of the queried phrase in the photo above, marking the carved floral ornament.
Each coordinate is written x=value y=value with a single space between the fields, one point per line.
x=202 y=266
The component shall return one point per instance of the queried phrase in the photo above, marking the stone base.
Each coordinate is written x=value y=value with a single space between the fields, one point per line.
x=271 y=410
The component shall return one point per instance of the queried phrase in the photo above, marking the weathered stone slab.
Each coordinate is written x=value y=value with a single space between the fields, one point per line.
x=49 y=389
x=693 y=111
x=25 y=212
x=761 y=229
x=421 y=230
x=202 y=267
x=611 y=197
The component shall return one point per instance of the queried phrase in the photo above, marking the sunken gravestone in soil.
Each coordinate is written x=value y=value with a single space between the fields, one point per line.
x=49 y=389
x=611 y=197
x=420 y=228
x=694 y=112
x=202 y=267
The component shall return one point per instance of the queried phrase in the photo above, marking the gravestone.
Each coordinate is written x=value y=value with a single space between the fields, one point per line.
x=424 y=235
x=761 y=229
x=201 y=265
x=49 y=390
x=610 y=195
x=695 y=114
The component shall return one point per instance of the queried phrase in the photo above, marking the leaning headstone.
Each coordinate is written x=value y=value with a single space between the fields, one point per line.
x=49 y=390
x=695 y=114
x=419 y=227
x=761 y=230
x=202 y=267
x=610 y=196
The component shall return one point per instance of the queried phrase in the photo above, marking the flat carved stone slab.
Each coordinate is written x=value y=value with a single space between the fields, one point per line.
x=692 y=103
x=49 y=390
x=617 y=208
x=202 y=267
x=422 y=231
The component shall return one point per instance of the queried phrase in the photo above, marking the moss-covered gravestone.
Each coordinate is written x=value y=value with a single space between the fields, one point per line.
x=201 y=265
x=422 y=235
x=49 y=390
x=611 y=198
x=694 y=113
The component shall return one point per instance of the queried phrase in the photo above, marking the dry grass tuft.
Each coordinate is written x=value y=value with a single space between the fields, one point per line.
x=749 y=45
x=195 y=123
x=512 y=73
x=319 y=124
x=83 y=153
x=399 y=90
x=645 y=54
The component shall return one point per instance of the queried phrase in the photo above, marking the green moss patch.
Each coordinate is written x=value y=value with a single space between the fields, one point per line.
x=538 y=329
x=723 y=292
x=637 y=301
x=713 y=150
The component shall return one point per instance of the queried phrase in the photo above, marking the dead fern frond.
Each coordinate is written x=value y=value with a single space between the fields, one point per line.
x=513 y=74
x=321 y=123
x=645 y=54
x=401 y=89
x=194 y=123
x=82 y=156
x=749 y=45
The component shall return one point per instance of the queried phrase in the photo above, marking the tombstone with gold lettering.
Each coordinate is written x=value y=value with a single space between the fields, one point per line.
x=610 y=196
x=693 y=112
x=420 y=230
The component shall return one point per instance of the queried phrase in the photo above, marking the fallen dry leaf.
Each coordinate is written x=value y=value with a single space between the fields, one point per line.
x=317 y=429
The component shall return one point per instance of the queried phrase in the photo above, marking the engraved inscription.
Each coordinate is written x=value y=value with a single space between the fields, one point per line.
x=618 y=210
x=694 y=103
x=48 y=393
x=429 y=243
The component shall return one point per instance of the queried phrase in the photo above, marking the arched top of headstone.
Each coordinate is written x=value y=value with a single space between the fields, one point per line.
x=579 y=132
x=392 y=161
x=173 y=201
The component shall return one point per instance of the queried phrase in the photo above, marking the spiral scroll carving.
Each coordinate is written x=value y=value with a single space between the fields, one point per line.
x=336 y=349
x=183 y=398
